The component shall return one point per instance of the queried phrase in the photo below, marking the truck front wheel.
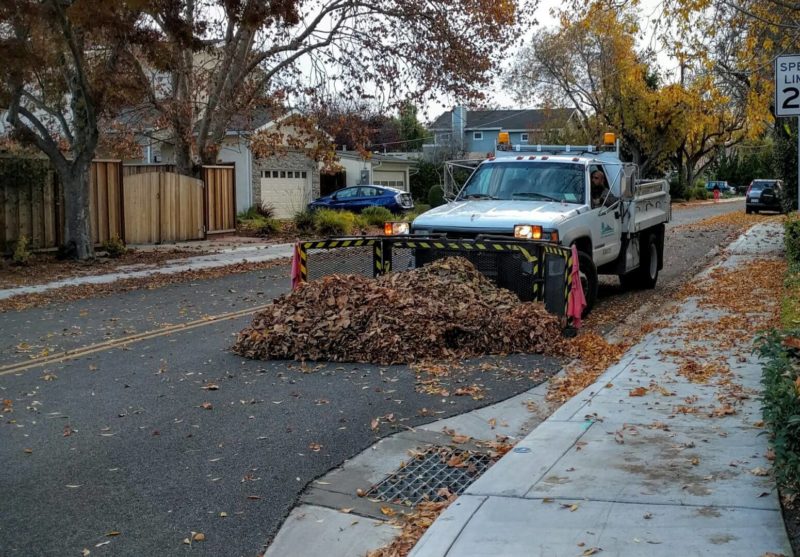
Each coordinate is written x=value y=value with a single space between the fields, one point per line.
x=588 y=273
x=646 y=275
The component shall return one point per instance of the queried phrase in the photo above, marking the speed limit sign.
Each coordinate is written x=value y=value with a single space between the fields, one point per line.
x=787 y=85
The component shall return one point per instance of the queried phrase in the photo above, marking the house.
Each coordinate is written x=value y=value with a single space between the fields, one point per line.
x=473 y=133
x=287 y=181
x=393 y=170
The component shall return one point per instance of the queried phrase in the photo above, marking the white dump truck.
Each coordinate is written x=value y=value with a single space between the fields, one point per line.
x=546 y=193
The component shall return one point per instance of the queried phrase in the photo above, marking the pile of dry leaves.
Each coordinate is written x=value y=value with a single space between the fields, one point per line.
x=441 y=311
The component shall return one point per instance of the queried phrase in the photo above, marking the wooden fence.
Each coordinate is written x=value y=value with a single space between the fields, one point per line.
x=29 y=202
x=138 y=203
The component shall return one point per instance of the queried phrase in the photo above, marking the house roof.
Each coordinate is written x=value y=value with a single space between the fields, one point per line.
x=375 y=157
x=254 y=120
x=505 y=119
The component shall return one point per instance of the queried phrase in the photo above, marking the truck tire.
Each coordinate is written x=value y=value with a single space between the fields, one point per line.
x=588 y=273
x=646 y=276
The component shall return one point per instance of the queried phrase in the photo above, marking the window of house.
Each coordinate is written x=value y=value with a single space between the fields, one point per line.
x=523 y=137
x=477 y=136
x=399 y=184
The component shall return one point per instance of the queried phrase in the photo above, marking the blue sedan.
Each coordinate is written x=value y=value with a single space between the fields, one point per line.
x=358 y=198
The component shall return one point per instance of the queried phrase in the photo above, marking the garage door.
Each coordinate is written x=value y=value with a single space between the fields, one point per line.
x=286 y=191
x=391 y=179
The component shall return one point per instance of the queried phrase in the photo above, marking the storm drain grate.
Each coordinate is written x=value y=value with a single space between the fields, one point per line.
x=425 y=475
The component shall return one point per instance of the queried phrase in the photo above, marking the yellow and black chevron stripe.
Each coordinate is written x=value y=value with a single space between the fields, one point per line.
x=330 y=244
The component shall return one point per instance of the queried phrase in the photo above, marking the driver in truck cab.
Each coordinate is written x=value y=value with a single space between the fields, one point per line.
x=600 y=193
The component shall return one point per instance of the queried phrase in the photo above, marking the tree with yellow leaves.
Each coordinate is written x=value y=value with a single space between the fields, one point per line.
x=591 y=63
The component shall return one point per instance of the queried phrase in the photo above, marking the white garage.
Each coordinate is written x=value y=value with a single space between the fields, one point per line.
x=286 y=191
x=394 y=179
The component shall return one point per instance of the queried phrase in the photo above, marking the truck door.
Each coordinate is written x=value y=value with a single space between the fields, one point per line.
x=607 y=226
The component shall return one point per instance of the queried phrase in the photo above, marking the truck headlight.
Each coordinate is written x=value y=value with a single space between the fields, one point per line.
x=395 y=228
x=535 y=232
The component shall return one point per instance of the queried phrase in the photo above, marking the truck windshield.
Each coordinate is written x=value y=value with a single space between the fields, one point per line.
x=527 y=180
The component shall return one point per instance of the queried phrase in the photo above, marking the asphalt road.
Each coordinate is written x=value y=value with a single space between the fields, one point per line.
x=118 y=452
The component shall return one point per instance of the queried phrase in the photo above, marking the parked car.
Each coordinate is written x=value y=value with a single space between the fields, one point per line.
x=358 y=198
x=764 y=195
x=723 y=186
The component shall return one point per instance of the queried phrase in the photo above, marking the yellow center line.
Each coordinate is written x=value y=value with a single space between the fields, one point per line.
x=114 y=343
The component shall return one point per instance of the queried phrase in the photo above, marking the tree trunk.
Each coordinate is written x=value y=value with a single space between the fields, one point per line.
x=183 y=157
x=77 y=228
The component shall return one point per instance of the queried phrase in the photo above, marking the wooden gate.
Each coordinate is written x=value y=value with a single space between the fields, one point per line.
x=162 y=207
x=220 y=200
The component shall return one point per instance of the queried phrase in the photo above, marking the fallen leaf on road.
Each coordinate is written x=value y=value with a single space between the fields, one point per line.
x=374 y=424
x=67 y=431
x=223 y=514
x=388 y=511
x=592 y=551
x=113 y=533
x=759 y=471
x=347 y=510
x=207 y=406
x=73 y=486
x=360 y=492
x=254 y=497
x=572 y=508
x=638 y=391
x=210 y=387
x=198 y=537
x=28 y=451
x=101 y=544
x=49 y=377
x=187 y=541
x=85 y=552
x=315 y=447
x=459 y=439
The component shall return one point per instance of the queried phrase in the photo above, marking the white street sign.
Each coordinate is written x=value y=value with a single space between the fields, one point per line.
x=787 y=85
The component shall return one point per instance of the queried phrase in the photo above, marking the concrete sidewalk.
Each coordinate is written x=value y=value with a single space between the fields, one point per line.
x=223 y=258
x=629 y=475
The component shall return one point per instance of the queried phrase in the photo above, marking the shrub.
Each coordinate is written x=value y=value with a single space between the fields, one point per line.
x=304 y=221
x=328 y=222
x=266 y=210
x=697 y=192
x=420 y=208
x=114 y=247
x=781 y=405
x=249 y=214
x=376 y=216
x=436 y=196
x=791 y=239
x=360 y=222
x=268 y=226
x=22 y=251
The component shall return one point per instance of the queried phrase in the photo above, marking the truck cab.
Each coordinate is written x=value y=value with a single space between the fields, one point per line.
x=545 y=193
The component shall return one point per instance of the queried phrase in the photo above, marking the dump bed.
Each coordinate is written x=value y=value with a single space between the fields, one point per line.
x=648 y=206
